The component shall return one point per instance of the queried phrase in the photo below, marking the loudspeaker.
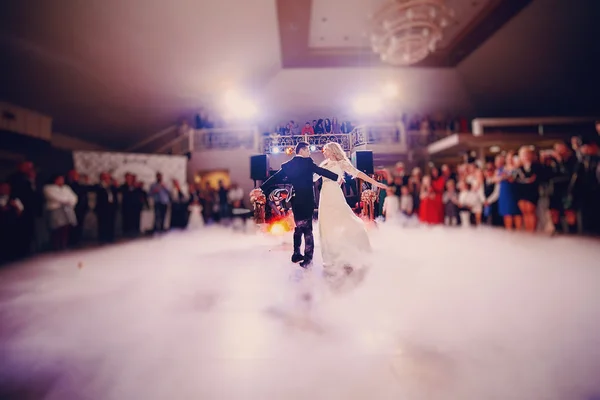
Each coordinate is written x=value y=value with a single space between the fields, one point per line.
x=259 y=167
x=363 y=161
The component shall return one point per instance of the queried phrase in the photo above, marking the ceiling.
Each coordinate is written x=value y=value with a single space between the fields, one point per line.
x=345 y=23
x=334 y=33
x=113 y=70
x=116 y=71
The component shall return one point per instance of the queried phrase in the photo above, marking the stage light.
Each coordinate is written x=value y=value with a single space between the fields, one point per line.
x=275 y=150
x=365 y=105
x=277 y=229
x=390 y=90
x=238 y=107
x=313 y=147
x=289 y=151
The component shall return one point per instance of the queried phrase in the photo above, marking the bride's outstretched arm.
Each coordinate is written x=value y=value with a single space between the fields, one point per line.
x=349 y=168
x=365 y=177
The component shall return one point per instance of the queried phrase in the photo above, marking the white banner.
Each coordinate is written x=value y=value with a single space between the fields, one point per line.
x=145 y=166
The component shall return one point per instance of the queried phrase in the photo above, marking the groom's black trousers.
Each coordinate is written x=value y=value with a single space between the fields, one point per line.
x=304 y=228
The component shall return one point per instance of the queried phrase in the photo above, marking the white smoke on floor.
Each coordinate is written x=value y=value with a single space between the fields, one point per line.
x=443 y=314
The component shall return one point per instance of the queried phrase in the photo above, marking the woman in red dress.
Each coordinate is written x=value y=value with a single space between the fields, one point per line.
x=426 y=196
x=438 y=184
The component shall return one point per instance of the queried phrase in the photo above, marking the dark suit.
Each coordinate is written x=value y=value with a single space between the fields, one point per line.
x=299 y=173
x=24 y=189
x=106 y=212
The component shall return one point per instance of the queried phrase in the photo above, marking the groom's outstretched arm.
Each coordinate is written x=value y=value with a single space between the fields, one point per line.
x=274 y=179
x=324 y=172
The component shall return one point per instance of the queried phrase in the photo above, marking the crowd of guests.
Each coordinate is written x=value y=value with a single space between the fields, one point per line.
x=69 y=205
x=555 y=190
x=321 y=126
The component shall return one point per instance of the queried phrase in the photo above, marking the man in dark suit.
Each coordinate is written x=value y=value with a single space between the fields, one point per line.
x=299 y=172
x=23 y=187
x=106 y=208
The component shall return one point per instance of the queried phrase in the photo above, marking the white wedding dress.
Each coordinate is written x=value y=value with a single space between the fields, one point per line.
x=345 y=245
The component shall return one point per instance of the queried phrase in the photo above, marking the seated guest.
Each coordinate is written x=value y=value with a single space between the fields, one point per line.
x=60 y=203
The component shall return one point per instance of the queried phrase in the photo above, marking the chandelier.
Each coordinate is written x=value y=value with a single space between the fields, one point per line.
x=404 y=32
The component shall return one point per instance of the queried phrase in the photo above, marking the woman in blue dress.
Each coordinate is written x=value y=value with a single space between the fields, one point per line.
x=508 y=199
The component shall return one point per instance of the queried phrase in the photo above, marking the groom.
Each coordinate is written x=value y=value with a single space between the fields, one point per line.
x=299 y=171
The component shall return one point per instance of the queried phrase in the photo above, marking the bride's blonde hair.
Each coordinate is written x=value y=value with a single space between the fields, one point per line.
x=337 y=153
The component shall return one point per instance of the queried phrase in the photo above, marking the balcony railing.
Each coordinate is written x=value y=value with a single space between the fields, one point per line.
x=224 y=139
x=249 y=139
x=276 y=144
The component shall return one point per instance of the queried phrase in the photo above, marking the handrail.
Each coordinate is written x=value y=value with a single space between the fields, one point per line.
x=478 y=125
x=152 y=138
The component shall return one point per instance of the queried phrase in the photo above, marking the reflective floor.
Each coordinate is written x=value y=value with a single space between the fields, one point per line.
x=454 y=314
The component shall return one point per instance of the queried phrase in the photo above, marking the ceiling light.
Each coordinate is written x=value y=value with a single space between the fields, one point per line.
x=390 y=90
x=408 y=30
x=238 y=106
x=366 y=105
x=495 y=149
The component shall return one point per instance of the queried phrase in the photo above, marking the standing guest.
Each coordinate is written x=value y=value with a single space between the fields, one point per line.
x=438 y=184
x=451 y=204
x=106 y=208
x=508 y=197
x=222 y=193
x=308 y=129
x=60 y=203
x=406 y=202
x=414 y=186
x=588 y=185
x=470 y=203
x=81 y=208
x=195 y=219
x=529 y=192
x=319 y=128
x=563 y=167
x=447 y=173
x=146 y=214
x=207 y=201
x=335 y=126
x=490 y=192
x=131 y=206
x=427 y=211
x=327 y=125
x=391 y=205
x=23 y=187
x=160 y=195
x=11 y=209
x=179 y=205
x=235 y=196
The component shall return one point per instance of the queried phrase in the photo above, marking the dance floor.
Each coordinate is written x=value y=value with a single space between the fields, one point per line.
x=459 y=314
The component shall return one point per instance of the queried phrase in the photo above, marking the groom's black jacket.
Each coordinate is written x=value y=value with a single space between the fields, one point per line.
x=299 y=172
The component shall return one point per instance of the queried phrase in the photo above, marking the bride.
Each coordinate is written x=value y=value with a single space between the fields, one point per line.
x=345 y=245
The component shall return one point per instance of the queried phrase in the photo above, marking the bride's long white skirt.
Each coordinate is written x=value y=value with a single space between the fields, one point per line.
x=345 y=245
